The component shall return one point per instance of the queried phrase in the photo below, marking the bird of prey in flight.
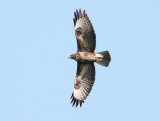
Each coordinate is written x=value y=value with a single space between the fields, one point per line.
x=85 y=57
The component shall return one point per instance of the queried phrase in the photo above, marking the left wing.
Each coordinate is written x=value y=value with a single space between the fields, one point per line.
x=83 y=83
x=85 y=35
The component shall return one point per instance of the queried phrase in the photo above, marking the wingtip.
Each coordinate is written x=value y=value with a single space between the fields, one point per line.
x=71 y=96
x=76 y=102
x=78 y=14
x=74 y=21
x=84 y=13
x=80 y=103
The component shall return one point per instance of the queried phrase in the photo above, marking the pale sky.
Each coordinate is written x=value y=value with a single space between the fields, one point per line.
x=36 y=76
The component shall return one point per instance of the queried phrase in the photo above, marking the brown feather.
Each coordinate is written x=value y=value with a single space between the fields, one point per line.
x=77 y=14
x=84 y=13
x=80 y=13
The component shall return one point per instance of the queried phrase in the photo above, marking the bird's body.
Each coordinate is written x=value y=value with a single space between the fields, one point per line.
x=85 y=57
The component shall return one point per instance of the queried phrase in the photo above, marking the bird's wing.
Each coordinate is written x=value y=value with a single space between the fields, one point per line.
x=83 y=83
x=85 y=35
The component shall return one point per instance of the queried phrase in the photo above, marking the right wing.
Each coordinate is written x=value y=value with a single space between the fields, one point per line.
x=83 y=83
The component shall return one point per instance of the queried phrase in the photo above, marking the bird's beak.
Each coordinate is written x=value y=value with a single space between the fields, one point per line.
x=69 y=57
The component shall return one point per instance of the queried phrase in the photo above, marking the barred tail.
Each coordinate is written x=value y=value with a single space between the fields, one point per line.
x=103 y=58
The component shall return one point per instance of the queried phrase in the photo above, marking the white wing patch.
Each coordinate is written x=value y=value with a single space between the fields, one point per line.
x=79 y=23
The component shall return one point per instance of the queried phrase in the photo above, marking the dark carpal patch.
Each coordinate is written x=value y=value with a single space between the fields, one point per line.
x=78 y=31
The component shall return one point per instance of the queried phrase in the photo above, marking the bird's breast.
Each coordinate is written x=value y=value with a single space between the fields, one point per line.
x=86 y=57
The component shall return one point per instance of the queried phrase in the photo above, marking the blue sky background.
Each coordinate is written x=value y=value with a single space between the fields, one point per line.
x=36 y=76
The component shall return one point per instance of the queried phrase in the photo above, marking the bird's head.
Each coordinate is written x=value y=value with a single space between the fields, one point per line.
x=73 y=56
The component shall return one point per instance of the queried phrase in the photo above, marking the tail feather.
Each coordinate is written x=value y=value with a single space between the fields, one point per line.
x=103 y=58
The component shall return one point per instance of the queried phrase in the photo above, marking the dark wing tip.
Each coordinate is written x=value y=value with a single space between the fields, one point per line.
x=84 y=13
x=74 y=21
x=78 y=15
x=81 y=103
x=75 y=101
x=75 y=16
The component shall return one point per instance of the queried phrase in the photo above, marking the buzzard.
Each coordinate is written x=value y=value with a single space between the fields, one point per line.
x=85 y=57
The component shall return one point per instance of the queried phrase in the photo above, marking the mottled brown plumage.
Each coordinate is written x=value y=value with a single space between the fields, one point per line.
x=85 y=35
x=83 y=82
x=85 y=57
